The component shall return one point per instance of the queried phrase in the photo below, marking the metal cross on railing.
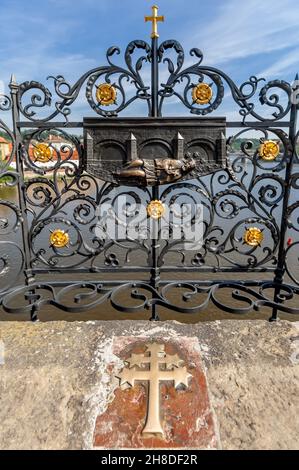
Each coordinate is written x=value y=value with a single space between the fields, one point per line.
x=172 y=371
x=154 y=19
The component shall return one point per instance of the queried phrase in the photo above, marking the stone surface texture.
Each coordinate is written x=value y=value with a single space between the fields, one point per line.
x=58 y=379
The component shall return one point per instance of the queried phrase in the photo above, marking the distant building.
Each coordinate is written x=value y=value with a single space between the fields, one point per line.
x=5 y=149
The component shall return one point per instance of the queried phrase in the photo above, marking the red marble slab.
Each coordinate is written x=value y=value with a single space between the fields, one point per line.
x=186 y=415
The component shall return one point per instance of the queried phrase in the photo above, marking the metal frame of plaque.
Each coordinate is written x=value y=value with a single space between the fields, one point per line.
x=136 y=151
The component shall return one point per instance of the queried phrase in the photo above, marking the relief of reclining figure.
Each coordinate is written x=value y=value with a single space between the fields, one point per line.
x=157 y=171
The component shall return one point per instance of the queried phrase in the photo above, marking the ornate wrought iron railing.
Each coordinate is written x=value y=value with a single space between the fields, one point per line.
x=250 y=205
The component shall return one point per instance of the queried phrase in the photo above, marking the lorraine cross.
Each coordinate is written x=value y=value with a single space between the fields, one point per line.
x=154 y=367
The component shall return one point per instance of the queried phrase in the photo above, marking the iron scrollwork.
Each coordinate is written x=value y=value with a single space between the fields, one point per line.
x=67 y=94
x=216 y=79
x=144 y=296
x=65 y=201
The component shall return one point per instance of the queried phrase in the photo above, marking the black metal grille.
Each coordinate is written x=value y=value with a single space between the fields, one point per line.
x=249 y=191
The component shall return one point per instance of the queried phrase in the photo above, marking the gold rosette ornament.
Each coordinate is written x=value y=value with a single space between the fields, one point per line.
x=59 y=238
x=42 y=153
x=106 y=94
x=269 y=150
x=155 y=209
x=253 y=236
x=202 y=93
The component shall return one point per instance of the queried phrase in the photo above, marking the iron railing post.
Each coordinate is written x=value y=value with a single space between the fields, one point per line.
x=29 y=276
x=155 y=271
x=281 y=259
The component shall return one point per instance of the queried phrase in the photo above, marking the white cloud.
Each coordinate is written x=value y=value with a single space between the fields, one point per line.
x=283 y=65
x=243 y=29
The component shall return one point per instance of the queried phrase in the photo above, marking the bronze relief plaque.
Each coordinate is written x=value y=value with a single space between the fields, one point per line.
x=151 y=151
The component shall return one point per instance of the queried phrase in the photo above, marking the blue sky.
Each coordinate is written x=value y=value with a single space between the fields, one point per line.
x=256 y=37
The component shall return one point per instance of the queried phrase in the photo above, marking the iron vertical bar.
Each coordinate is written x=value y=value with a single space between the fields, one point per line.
x=29 y=276
x=155 y=271
x=280 y=270
x=154 y=78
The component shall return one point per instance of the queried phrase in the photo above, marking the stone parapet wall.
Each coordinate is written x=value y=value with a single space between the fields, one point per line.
x=59 y=388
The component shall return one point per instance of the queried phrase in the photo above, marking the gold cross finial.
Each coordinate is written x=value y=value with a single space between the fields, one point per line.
x=154 y=19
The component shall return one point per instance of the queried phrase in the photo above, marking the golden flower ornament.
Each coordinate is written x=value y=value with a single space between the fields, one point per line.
x=59 y=238
x=106 y=94
x=42 y=153
x=269 y=150
x=155 y=209
x=202 y=93
x=253 y=236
